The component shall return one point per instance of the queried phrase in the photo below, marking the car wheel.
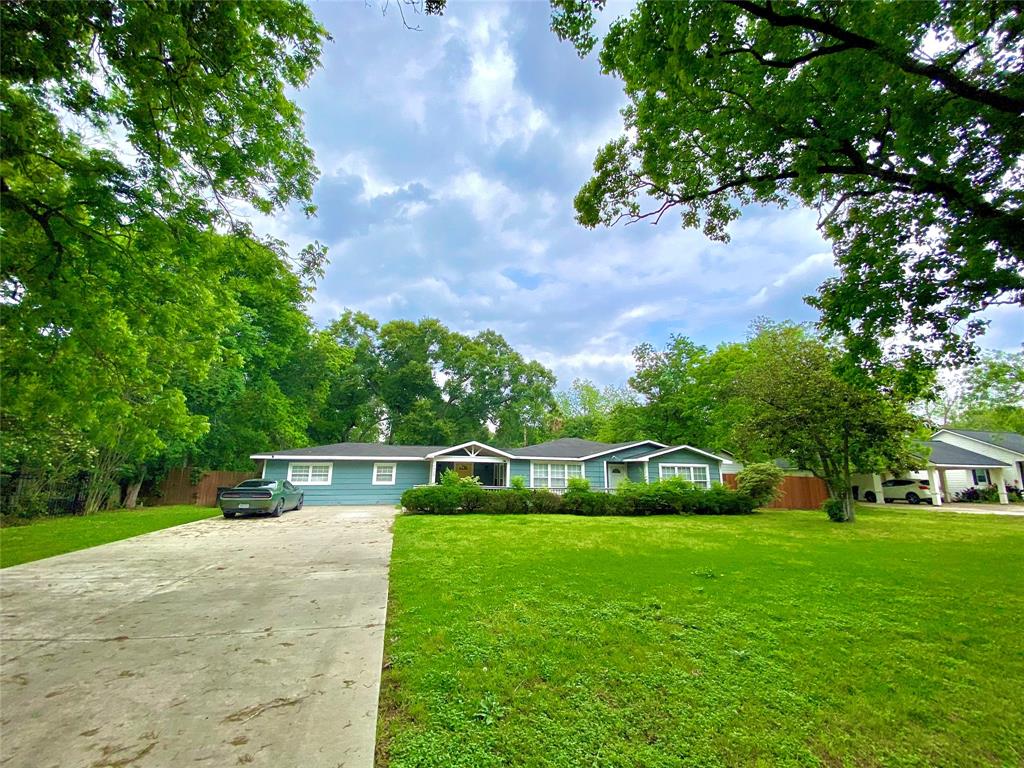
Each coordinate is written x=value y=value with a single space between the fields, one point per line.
x=870 y=497
x=276 y=511
x=301 y=500
x=228 y=515
x=913 y=498
x=886 y=500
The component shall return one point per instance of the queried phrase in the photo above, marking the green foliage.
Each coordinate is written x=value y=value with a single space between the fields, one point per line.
x=129 y=131
x=899 y=122
x=836 y=510
x=577 y=484
x=518 y=482
x=800 y=407
x=781 y=630
x=761 y=481
x=670 y=497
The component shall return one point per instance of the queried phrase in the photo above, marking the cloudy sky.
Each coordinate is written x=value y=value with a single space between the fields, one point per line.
x=450 y=157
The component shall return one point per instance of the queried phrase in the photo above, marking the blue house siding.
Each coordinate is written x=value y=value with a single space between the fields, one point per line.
x=352 y=482
x=685 y=457
x=593 y=469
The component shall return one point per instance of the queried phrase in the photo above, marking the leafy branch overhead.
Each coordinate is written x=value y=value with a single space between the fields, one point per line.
x=900 y=123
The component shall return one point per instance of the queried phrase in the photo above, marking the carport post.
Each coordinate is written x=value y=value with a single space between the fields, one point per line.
x=933 y=483
x=946 y=495
x=1000 y=483
x=876 y=486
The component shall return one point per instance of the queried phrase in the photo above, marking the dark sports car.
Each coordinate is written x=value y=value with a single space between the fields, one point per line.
x=267 y=496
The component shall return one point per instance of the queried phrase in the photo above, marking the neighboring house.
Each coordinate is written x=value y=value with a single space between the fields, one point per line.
x=959 y=459
x=1007 y=448
x=373 y=473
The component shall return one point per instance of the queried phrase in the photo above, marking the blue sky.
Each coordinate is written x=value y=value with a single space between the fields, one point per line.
x=450 y=157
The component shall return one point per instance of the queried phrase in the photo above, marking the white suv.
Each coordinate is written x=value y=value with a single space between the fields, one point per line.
x=908 y=489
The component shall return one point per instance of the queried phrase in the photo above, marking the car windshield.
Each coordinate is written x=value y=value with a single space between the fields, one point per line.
x=256 y=483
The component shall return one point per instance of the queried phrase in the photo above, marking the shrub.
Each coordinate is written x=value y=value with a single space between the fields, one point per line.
x=518 y=482
x=835 y=510
x=761 y=482
x=671 y=497
x=545 y=503
x=511 y=502
x=438 y=499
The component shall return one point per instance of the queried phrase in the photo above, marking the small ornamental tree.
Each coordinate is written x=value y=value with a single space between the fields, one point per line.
x=761 y=482
x=802 y=409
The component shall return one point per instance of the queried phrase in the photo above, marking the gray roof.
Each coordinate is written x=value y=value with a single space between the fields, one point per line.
x=1009 y=440
x=946 y=455
x=569 y=448
x=360 y=449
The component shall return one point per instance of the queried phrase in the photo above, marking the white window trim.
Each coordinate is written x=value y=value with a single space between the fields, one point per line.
x=533 y=482
x=394 y=473
x=706 y=468
x=311 y=464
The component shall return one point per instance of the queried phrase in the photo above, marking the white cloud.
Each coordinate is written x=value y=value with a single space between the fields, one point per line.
x=816 y=262
x=491 y=201
x=375 y=184
x=489 y=95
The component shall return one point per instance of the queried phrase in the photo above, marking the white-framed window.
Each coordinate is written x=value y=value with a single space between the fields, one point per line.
x=384 y=473
x=981 y=477
x=695 y=473
x=554 y=475
x=309 y=473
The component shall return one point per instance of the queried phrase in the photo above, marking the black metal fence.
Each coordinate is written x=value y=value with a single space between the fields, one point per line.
x=24 y=495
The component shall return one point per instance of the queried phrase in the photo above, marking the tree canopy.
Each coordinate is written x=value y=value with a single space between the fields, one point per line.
x=131 y=130
x=900 y=122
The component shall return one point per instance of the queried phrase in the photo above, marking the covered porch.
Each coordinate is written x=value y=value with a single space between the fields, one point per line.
x=490 y=466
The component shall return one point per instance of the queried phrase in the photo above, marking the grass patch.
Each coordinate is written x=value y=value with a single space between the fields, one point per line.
x=775 y=640
x=47 y=537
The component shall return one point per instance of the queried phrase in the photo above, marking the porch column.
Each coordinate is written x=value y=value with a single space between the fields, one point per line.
x=998 y=479
x=433 y=472
x=876 y=486
x=933 y=483
x=946 y=495
x=508 y=473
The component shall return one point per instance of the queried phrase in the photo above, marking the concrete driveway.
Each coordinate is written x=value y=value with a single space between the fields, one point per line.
x=219 y=643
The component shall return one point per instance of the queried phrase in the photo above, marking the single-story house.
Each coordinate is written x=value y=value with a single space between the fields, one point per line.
x=955 y=462
x=1007 y=448
x=374 y=473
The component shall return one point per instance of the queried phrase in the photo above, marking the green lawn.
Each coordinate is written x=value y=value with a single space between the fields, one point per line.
x=778 y=639
x=56 y=535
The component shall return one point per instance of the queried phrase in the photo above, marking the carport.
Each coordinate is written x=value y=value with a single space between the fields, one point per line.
x=944 y=457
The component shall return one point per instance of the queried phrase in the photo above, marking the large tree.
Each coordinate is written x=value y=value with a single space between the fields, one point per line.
x=801 y=406
x=988 y=395
x=130 y=131
x=900 y=122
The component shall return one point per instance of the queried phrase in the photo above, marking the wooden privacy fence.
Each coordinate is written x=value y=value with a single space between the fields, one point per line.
x=177 y=487
x=797 y=492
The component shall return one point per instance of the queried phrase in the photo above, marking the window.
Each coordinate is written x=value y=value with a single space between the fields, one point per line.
x=310 y=474
x=545 y=475
x=384 y=474
x=981 y=477
x=694 y=473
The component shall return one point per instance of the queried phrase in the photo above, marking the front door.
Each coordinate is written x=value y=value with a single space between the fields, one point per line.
x=616 y=474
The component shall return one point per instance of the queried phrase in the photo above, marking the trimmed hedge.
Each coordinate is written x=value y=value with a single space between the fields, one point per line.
x=632 y=499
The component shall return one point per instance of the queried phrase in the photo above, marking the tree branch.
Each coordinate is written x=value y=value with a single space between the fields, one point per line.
x=950 y=80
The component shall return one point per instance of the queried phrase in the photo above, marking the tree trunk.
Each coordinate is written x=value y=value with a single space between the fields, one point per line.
x=131 y=495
